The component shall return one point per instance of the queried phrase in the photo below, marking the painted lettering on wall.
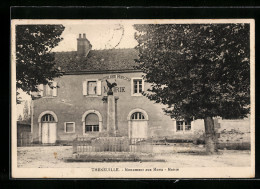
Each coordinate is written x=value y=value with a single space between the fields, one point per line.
x=115 y=89
x=116 y=76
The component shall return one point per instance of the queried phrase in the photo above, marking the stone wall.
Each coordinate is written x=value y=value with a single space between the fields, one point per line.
x=235 y=131
x=233 y=134
x=70 y=105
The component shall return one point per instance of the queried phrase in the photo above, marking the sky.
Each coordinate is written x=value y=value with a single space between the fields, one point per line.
x=101 y=36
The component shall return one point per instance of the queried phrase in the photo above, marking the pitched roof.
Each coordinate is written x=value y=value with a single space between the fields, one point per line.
x=97 y=60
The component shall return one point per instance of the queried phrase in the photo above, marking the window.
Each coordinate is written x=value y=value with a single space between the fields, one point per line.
x=48 y=118
x=69 y=127
x=137 y=116
x=179 y=125
x=88 y=128
x=183 y=126
x=91 y=87
x=91 y=123
x=137 y=86
x=92 y=128
x=48 y=90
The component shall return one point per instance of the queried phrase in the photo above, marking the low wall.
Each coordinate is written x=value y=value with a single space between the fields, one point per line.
x=234 y=131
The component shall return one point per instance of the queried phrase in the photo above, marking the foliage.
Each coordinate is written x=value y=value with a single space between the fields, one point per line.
x=18 y=98
x=20 y=118
x=35 y=63
x=198 y=70
x=26 y=113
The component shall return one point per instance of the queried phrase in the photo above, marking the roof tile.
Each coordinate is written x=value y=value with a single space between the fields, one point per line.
x=97 y=60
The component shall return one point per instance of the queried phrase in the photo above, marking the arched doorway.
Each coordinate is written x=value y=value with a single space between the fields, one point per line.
x=92 y=122
x=48 y=127
x=138 y=124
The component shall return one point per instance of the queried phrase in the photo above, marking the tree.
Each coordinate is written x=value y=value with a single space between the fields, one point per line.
x=20 y=118
x=200 y=71
x=26 y=113
x=34 y=60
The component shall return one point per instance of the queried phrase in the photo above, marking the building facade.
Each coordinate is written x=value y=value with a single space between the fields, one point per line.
x=75 y=104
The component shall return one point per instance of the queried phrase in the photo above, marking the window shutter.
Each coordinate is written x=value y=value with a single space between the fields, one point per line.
x=132 y=86
x=98 y=87
x=54 y=90
x=40 y=88
x=84 y=88
x=142 y=85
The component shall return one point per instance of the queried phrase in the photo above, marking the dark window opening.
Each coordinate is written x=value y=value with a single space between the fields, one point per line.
x=138 y=86
x=183 y=126
x=92 y=88
x=92 y=128
x=48 y=118
x=137 y=116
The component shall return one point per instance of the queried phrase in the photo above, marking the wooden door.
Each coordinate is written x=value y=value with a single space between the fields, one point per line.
x=139 y=129
x=49 y=134
x=52 y=133
x=45 y=133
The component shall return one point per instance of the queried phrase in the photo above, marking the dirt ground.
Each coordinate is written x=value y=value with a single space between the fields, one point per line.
x=175 y=155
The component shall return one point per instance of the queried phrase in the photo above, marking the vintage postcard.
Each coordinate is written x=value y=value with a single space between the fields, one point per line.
x=133 y=98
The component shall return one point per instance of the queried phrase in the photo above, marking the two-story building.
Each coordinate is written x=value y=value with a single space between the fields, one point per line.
x=76 y=106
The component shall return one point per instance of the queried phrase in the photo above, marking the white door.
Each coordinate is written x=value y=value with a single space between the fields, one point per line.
x=49 y=127
x=45 y=133
x=49 y=133
x=52 y=132
x=139 y=129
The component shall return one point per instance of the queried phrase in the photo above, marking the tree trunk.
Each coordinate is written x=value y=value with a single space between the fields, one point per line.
x=210 y=136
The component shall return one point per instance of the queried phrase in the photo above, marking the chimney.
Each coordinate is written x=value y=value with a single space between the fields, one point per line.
x=83 y=46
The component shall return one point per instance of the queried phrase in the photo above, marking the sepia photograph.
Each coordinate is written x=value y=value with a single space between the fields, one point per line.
x=133 y=98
